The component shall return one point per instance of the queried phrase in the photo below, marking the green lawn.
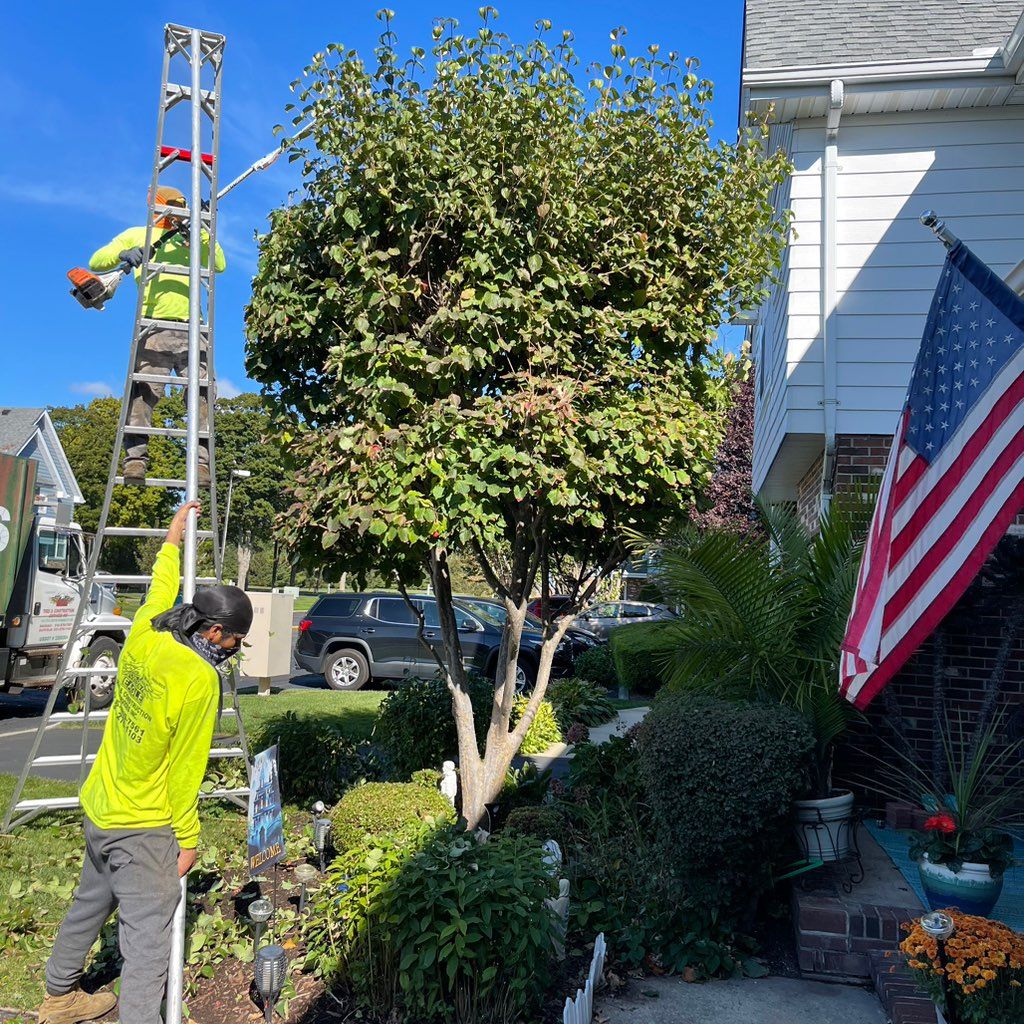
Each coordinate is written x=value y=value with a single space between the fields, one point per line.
x=354 y=712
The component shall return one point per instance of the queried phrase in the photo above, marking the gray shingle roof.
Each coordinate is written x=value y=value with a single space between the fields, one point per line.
x=781 y=33
x=16 y=427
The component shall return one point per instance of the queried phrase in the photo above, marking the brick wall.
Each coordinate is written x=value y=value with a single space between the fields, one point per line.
x=808 y=494
x=972 y=636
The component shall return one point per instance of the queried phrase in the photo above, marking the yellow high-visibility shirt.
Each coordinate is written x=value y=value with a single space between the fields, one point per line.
x=166 y=294
x=156 y=743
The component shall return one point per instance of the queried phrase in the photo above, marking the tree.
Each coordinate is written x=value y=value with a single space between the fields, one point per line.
x=486 y=323
x=244 y=441
x=87 y=434
x=729 y=497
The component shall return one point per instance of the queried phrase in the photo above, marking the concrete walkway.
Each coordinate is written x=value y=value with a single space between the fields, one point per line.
x=559 y=752
x=741 y=1001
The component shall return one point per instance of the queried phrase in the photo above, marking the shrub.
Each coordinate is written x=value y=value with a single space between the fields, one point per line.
x=318 y=761
x=385 y=809
x=437 y=927
x=639 y=650
x=597 y=665
x=523 y=787
x=416 y=729
x=541 y=823
x=720 y=778
x=427 y=777
x=543 y=731
x=577 y=733
x=579 y=700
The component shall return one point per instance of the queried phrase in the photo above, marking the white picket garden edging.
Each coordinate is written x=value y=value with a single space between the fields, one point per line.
x=581 y=1009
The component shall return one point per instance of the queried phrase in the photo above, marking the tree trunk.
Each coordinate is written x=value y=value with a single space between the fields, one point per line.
x=244 y=561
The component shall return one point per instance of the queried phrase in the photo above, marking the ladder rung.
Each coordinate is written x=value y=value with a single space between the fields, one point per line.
x=142 y=580
x=227 y=752
x=175 y=269
x=186 y=154
x=74 y=716
x=90 y=671
x=60 y=760
x=52 y=803
x=243 y=791
x=163 y=431
x=166 y=379
x=145 y=531
x=157 y=481
x=177 y=91
x=145 y=323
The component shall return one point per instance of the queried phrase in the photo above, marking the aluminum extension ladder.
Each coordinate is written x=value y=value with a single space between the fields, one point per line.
x=197 y=49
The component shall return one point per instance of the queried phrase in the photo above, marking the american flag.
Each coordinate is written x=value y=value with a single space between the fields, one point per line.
x=954 y=480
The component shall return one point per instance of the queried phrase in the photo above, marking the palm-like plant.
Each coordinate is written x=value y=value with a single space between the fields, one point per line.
x=763 y=617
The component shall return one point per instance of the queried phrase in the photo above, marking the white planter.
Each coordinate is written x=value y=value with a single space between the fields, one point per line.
x=823 y=826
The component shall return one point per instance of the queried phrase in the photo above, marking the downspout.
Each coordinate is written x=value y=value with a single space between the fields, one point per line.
x=829 y=172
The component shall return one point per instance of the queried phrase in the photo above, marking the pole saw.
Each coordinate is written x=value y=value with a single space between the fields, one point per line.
x=93 y=289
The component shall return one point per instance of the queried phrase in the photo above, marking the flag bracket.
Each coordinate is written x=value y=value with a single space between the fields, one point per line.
x=930 y=219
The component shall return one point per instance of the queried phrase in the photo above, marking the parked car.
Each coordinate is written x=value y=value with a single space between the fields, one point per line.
x=353 y=638
x=580 y=639
x=558 y=603
x=603 y=618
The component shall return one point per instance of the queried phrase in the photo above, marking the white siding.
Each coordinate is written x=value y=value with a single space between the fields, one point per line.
x=967 y=165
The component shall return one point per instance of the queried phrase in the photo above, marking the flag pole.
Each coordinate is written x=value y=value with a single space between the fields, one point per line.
x=930 y=219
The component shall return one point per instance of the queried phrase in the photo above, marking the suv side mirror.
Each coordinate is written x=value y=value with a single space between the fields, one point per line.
x=468 y=626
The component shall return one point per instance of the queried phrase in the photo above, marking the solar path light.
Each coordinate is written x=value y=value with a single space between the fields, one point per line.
x=260 y=912
x=305 y=874
x=940 y=926
x=271 y=970
x=321 y=829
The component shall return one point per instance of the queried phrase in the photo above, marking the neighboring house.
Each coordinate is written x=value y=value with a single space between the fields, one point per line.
x=886 y=110
x=30 y=433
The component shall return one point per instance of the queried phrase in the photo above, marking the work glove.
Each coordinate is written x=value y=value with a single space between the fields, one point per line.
x=133 y=256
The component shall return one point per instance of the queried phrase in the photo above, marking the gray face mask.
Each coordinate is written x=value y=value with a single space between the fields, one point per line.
x=209 y=651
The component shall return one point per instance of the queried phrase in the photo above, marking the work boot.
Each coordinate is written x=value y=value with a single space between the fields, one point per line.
x=76 y=1006
x=135 y=472
x=204 y=475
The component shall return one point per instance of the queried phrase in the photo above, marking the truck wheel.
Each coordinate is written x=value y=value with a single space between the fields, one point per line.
x=101 y=653
x=346 y=669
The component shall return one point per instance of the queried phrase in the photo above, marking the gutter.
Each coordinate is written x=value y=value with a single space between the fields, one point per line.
x=829 y=172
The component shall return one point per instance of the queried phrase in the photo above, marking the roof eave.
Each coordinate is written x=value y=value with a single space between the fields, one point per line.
x=1012 y=52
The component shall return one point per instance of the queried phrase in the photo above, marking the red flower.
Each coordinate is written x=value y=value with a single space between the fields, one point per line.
x=943 y=823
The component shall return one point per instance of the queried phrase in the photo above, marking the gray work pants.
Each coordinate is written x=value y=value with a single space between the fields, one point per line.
x=137 y=872
x=162 y=353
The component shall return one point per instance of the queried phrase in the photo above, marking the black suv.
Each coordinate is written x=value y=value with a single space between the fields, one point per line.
x=352 y=638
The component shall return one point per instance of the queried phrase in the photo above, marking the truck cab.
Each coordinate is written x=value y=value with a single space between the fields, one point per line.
x=40 y=614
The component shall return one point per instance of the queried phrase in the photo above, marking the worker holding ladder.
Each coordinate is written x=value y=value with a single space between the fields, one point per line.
x=141 y=797
x=163 y=349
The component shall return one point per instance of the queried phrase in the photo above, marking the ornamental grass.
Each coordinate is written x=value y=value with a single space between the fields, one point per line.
x=983 y=971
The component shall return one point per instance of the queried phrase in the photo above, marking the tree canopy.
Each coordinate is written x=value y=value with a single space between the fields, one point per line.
x=487 y=321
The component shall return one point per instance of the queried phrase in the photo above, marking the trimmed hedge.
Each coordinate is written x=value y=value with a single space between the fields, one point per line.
x=543 y=823
x=384 y=810
x=720 y=778
x=639 y=650
x=597 y=665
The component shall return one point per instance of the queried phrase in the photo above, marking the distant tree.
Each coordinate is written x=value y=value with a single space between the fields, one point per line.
x=487 y=323
x=729 y=497
x=87 y=433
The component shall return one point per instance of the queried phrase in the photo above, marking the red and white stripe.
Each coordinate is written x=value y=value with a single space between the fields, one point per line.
x=933 y=527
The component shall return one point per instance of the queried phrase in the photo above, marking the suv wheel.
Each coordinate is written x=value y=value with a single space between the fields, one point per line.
x=346 y=669
x=526 y=676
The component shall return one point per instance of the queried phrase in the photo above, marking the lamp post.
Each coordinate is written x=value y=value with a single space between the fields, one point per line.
x=940 y=927
x=240 y=474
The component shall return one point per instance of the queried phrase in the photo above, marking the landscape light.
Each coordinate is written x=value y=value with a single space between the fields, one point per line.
x=270 y=971
x=305 y=873
x=260 y=912
x=938 y=926
x=321 y=829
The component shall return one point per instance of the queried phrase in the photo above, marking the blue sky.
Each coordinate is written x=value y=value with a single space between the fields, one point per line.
x=80 y=85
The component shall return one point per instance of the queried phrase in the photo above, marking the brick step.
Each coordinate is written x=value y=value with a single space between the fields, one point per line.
x=901 y=999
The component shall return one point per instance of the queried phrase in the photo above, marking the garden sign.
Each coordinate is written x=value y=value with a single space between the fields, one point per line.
x=266 y=821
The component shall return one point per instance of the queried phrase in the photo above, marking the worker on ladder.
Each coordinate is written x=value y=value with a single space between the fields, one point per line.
x=142 y=794
x=160 y=351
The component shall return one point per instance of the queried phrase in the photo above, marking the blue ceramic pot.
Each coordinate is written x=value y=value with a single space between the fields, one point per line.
x=971 y=890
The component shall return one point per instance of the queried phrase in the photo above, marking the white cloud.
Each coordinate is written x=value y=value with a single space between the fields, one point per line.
x=92 y=388
x=227 y=388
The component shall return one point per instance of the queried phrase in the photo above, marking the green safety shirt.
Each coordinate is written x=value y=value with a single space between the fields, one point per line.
x=156 y=744
x=166 y=294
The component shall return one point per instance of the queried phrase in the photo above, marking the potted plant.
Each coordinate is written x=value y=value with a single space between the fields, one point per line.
x=979 y=978
x=966 y=844
x=763 y=616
